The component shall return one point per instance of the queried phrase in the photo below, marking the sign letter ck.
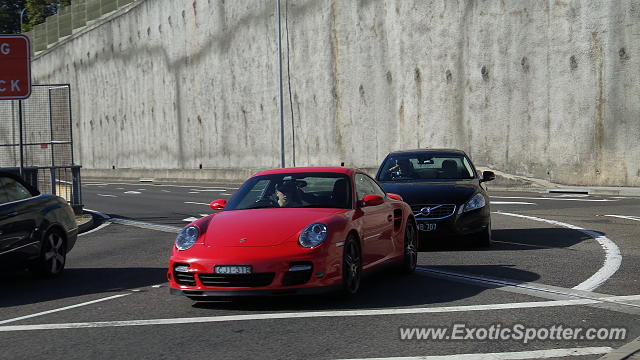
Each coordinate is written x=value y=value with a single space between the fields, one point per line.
x=4 y=49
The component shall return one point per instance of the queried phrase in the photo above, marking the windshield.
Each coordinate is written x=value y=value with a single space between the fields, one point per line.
x=426 y=167
x=294 y=190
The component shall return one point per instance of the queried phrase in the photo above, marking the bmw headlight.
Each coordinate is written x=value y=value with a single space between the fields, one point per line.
x=187 y=237
x=313 y=235
x=476 y=202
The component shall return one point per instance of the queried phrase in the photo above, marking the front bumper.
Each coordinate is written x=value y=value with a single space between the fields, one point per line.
x=270 y=275
x=456 y=225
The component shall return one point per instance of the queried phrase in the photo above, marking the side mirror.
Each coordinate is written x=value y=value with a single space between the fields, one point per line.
x=372 y=200
x=488 y=176
x=218 y=204
x=395 y=196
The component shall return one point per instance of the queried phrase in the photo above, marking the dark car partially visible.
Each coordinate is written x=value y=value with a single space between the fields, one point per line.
x=444 y=190
x=36 y=230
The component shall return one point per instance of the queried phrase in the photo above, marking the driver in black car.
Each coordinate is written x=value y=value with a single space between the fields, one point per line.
x=288 y=194
x=402 y=168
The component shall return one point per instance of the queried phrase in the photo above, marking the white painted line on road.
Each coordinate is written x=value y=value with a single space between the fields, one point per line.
x=203 y=215
x=106 y=195
x=511 y=203
x=552 y=198
x=132 y=192
x=61 y=309
x=196 y=203
x=190 y=219
x=167 y=191
x=193 y=192
x=519 y=355
x=205 y=190
x=102 y=226
x=300 y=315
x=635 y=218
x=612 y=260
x=226 y=194
x=144 y=225
x=529 y=245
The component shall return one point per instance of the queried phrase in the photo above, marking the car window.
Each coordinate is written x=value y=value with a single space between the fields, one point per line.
x=367 y=186
x=13 y=190
x=297 y=190
x=425 y=166
x=4 y=198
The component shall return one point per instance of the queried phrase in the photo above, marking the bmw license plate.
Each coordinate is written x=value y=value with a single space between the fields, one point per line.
x=232 y=269
x=427 y=226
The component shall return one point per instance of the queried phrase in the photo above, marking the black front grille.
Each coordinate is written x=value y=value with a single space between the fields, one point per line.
x=236 y=280
x=437 y=210
x=187 y=279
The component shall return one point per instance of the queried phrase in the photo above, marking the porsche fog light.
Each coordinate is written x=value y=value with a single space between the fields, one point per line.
x=476 y=202
x=313 y=235
x=187 y=237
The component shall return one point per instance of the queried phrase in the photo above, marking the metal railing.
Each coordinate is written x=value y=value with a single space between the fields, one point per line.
x=69 y=20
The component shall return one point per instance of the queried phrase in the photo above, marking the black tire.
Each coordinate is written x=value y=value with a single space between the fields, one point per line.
x=483 y=239
x=410 y=260
x=53 y=255
x=351 y=266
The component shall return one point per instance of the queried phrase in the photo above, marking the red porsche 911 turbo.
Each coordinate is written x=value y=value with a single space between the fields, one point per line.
x=292 y=231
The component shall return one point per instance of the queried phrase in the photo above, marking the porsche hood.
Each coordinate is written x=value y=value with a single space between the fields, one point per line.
x=262 y=227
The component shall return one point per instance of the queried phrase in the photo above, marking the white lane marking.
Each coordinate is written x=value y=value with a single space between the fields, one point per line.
x=196 y=203
x=132 y=192
x=102 y=226
x=119 y=188
x=106 y=195
x=301 y=315
x=144 y=225
x=201 y=190
x=193 y=192
x=636 y=218
x=226 y=194
x=511 y=203
x=612 y=260
x=203 y=215
x=167 y=191
x=190 y=219
x=62 y=309
x=551 y=198
x=519 y=355
x=529 y=245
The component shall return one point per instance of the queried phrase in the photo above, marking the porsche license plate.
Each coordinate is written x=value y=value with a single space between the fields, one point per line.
x=427 y=226
x=232 y=269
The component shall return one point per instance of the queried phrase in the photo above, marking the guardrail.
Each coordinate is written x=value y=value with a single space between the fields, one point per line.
x=69 y=20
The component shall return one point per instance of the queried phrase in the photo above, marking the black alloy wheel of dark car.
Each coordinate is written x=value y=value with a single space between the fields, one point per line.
x=351 y=266
x=53 y=255
x=410 y=248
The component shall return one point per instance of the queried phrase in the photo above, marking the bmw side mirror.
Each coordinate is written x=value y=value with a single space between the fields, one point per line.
x=372 y=200
x=488 y=176
x=218 y=204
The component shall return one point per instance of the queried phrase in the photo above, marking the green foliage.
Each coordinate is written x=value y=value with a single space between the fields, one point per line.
x=10 y=16
x=39 y=10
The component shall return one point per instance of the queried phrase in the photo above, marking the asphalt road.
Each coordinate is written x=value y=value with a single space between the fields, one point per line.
x=554 y=262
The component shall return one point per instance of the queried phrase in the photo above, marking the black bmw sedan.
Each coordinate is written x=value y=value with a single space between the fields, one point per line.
x=444 y=190
x=36 y=230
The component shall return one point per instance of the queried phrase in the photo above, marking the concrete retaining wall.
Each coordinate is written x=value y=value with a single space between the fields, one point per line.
x=547 y=89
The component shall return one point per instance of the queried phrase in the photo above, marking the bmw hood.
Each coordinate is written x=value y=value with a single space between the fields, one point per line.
x=262 y=227
x=453 y=192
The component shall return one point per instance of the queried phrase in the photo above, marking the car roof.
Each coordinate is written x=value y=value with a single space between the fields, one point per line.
x=428 y=151
x=330 y=169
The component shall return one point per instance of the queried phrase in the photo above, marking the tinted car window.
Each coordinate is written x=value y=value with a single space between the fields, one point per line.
x=426 y=167
x=13 y=190
x=303 y=190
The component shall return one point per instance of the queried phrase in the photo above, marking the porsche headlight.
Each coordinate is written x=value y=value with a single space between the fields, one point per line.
x=187 y=237
x=313 y=235
x=476 y=202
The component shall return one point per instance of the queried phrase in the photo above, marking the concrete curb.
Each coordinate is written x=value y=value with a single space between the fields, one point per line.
x=86 y=225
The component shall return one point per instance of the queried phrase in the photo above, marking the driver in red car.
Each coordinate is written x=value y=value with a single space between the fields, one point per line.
x=288 y=194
